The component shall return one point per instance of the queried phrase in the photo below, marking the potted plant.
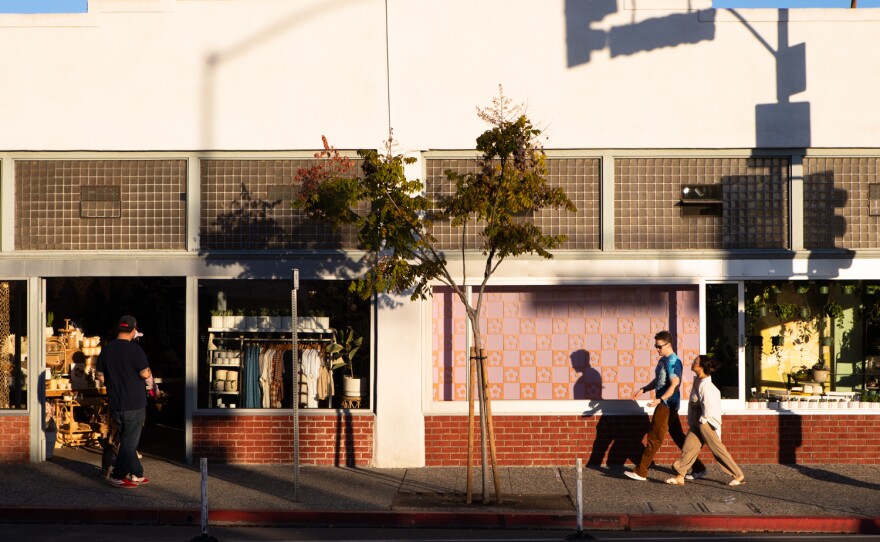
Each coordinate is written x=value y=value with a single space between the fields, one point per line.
x=265 y=320
x=787 y=312
x=802 y=289
x=820 y=371
x=50 y=321
x=801 y=374
x=832 y=309
x=341 y=352
x=216 y=318
x=285 y=322
x=228 y=319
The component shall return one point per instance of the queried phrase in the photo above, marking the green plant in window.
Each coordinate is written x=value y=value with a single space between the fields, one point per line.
x=834 y=310
x=787 y=312
x=343 y=347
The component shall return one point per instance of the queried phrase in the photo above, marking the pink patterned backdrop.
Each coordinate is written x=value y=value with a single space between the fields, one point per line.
x=577 y=342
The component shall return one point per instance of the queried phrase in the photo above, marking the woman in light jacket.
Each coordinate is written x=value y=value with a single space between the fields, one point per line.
x=704 y=419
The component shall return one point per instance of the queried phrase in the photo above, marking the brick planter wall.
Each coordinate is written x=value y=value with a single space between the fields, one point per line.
x=14 y=439
x=617 y=440
x=334 y=439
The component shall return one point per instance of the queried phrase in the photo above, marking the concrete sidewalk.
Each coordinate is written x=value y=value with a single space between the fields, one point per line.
x=775 y=498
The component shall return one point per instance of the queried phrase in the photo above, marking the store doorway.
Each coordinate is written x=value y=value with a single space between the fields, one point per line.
x=93 y=306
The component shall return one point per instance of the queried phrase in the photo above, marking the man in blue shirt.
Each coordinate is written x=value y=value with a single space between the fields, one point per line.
x=667 y=397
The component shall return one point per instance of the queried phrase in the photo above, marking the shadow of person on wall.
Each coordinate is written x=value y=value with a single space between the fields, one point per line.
x=618 y=438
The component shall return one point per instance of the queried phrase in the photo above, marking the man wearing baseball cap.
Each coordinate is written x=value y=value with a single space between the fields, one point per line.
x=122 y=367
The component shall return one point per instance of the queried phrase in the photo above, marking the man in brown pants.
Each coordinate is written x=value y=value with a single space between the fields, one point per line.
x=667 y=398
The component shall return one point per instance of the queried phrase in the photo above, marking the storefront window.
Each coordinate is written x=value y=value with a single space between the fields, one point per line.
x=246 y=358
x=813 y=336
x=563 y=343
x=13 y=352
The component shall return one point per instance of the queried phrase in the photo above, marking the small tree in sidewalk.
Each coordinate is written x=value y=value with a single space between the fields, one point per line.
x=394 y=219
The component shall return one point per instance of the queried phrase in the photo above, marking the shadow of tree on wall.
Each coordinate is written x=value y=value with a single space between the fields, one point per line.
x=247 y=222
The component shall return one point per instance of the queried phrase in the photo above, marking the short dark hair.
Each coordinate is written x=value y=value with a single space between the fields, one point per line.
x=664 y=336
x=709 y=364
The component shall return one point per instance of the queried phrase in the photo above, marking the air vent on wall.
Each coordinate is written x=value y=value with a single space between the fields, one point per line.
x=701 y=200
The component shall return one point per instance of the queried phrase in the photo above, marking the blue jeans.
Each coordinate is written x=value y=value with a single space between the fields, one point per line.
x=129 y=423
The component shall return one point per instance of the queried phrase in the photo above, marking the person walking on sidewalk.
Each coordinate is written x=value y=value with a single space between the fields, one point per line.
x=704 y=418
x=122 y=366
x=667 y=398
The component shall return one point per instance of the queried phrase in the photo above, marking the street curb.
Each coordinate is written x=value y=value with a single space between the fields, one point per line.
x=440 y=520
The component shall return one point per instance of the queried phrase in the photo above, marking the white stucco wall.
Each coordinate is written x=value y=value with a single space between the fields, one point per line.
x=399 y=437
x=275 y=74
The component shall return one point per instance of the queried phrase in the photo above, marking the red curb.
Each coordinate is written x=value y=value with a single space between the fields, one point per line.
x=782 y=524
x=428 y=519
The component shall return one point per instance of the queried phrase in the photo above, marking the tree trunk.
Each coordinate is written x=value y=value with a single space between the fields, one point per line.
x=472 y=381
x=483 y=430
x=491 y=425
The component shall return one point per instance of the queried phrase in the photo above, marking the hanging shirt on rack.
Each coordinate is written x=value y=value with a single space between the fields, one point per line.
x=266 y=377
x=250 y=391
x=325 y=382
x=278 y=375
x=311 y=367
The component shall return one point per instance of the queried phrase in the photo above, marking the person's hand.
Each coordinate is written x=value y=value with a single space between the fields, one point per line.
x=653 y=402
x=637 y=393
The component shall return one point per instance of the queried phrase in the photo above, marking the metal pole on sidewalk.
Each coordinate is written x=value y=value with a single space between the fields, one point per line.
x=580 y=499
x=203 y=468
x=294 y=352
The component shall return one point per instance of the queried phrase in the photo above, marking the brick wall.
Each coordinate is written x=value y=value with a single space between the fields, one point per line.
x=617 y=440
x=338 y=440
x=14 y=439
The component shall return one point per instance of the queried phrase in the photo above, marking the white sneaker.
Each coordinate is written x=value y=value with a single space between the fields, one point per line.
x=696 y=475
x=632 y=474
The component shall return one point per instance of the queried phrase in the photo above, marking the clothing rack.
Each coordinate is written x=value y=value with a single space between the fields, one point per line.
x=281 y=340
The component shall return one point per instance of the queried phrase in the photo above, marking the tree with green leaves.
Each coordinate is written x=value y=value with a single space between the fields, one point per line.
x=394 y=219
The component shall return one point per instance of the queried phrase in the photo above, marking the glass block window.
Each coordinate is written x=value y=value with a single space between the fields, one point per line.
x=839 y=205
x=648 y=203
x=248 y=205
x=100 y=204
x=578 y=177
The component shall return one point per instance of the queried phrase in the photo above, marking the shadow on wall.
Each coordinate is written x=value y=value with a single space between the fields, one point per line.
x=654 y=33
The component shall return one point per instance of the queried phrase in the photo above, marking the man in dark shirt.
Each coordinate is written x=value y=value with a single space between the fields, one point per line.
x=122 y=367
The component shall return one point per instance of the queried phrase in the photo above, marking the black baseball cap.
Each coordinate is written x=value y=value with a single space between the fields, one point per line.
x=127 y=323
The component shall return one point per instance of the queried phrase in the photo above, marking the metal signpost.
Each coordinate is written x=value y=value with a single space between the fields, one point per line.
x=294 y=351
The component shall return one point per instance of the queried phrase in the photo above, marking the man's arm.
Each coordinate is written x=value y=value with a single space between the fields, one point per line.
x=647 y=387
x=674 y=380
x=147 y=375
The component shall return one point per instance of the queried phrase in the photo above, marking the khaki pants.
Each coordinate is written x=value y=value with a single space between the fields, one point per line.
x=664 y=422
x=698 y=436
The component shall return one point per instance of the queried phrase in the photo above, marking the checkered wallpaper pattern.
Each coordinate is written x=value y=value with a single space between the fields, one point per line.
x=563 y=343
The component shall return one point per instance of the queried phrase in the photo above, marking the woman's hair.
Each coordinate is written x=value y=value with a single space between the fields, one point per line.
x=709 y=365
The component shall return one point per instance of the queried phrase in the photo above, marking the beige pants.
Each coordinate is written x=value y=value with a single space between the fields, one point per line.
x=698 y=436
